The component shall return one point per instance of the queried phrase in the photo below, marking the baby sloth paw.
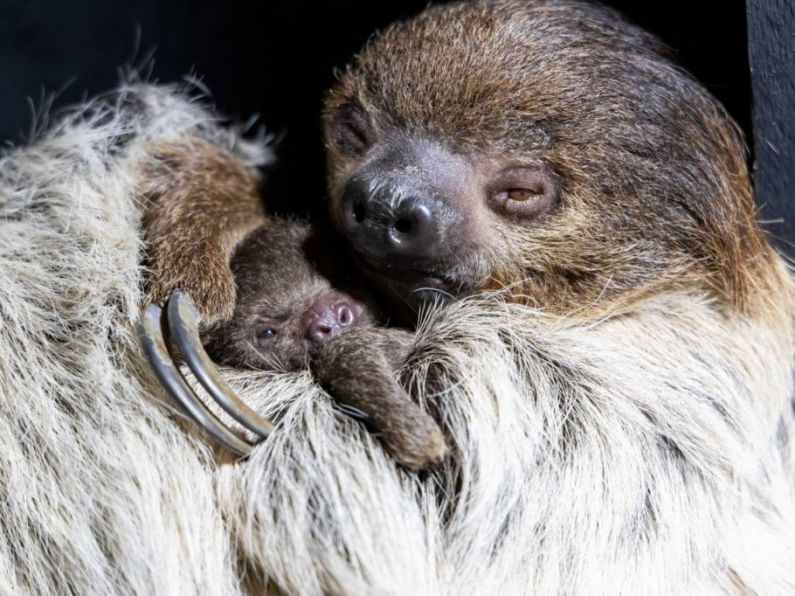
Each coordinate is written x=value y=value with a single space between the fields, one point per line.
x=212 y=288
x=357 y=368
x=413 y=438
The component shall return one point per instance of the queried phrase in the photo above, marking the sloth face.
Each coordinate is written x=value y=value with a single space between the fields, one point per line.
x=547 y=147
x=293 y=295
x=419 y=214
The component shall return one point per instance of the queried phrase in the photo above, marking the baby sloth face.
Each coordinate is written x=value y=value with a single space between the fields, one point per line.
x=292 y=296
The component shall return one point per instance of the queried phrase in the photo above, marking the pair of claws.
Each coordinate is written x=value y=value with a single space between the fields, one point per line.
x=178 y=321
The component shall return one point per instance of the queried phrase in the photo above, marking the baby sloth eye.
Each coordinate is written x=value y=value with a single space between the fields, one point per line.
x=265 y=335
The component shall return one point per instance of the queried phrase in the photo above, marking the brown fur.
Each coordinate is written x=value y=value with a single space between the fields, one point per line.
x=654 y=190
x=358 y=368
x=280 y=269
x=198 y=204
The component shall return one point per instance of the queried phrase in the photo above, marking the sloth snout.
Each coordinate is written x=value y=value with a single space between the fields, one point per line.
x=391 y=222
x=329 y=314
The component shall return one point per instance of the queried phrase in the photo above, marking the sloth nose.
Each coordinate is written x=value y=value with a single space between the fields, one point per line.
x=328 y=315
x=389 y=223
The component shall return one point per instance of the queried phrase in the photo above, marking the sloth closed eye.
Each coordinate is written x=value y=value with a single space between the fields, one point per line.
x=525 y=192
x=521 y=194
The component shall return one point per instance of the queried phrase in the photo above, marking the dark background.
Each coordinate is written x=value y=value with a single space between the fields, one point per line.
x=277 y=58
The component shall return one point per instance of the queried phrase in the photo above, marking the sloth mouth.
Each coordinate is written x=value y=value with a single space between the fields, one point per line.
x=405 y=281
x=419 y=278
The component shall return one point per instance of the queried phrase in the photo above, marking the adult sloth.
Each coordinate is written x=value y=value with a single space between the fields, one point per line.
x=613 y=368
x=551 y=149
x=631 y=439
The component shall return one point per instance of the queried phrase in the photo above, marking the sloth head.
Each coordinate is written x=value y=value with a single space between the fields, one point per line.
x=293 y=295
x=546 y=146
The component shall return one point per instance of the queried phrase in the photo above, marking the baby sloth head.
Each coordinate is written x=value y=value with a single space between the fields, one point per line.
x=544 y=145
x=287 y=306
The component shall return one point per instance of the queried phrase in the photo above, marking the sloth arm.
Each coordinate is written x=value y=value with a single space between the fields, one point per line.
x=357 y=368
x=198 y=203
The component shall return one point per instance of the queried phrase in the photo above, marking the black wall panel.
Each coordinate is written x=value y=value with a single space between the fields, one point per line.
x=771 y=34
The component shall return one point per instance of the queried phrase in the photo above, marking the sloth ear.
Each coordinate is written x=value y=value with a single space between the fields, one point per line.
x=352 y=130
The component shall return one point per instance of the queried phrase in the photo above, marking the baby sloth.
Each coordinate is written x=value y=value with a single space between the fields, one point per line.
x=289 y=315
x=274 y=306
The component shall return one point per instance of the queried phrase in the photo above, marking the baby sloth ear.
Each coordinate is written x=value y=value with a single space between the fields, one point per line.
x=352 y=130
x=524 y=191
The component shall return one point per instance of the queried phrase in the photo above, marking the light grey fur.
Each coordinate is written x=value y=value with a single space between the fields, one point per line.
x=100 y=492
x=647 y=453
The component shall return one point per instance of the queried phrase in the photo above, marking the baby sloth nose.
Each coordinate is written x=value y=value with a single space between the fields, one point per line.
x=328 y=315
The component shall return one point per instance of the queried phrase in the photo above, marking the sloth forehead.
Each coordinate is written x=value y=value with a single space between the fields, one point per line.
x=634 y=139
x=507 y=72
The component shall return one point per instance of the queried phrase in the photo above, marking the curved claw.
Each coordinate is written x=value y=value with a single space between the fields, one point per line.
x=183 y=322
x=156 y=350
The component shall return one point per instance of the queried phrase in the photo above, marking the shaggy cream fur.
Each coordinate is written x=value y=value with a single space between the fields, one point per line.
x=650 y=452
x=100 y=492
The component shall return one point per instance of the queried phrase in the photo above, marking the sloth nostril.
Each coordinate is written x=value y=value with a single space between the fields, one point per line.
x=319 y=332
x=404 y=225
x=359 y=211
x=345 y=316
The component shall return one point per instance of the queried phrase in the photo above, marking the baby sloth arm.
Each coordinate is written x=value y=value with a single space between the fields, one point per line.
x=358 y=369
x=198 y=203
